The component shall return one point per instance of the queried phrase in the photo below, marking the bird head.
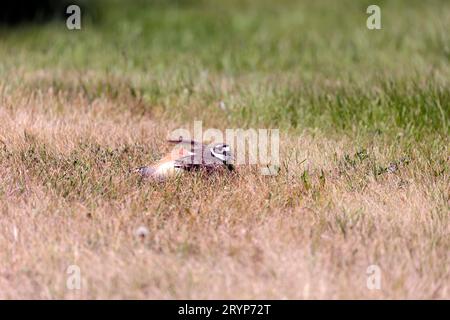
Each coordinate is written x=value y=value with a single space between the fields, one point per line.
x=222 y=152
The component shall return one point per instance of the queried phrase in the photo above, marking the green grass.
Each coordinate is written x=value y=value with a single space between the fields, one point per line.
x=293 y=65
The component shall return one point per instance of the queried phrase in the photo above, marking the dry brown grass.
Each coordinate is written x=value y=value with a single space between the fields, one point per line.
x=67 y=198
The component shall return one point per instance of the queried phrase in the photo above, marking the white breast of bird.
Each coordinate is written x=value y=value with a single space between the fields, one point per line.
x=166 y=169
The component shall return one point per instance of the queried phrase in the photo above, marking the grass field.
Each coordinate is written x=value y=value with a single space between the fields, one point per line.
x=364 y=120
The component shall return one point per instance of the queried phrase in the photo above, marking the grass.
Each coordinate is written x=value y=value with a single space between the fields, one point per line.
x=79 y=109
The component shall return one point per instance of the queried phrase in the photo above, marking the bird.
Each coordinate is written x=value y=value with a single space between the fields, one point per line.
x=190 y=156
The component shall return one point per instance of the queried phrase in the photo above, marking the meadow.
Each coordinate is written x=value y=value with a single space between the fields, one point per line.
x=364 y=178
